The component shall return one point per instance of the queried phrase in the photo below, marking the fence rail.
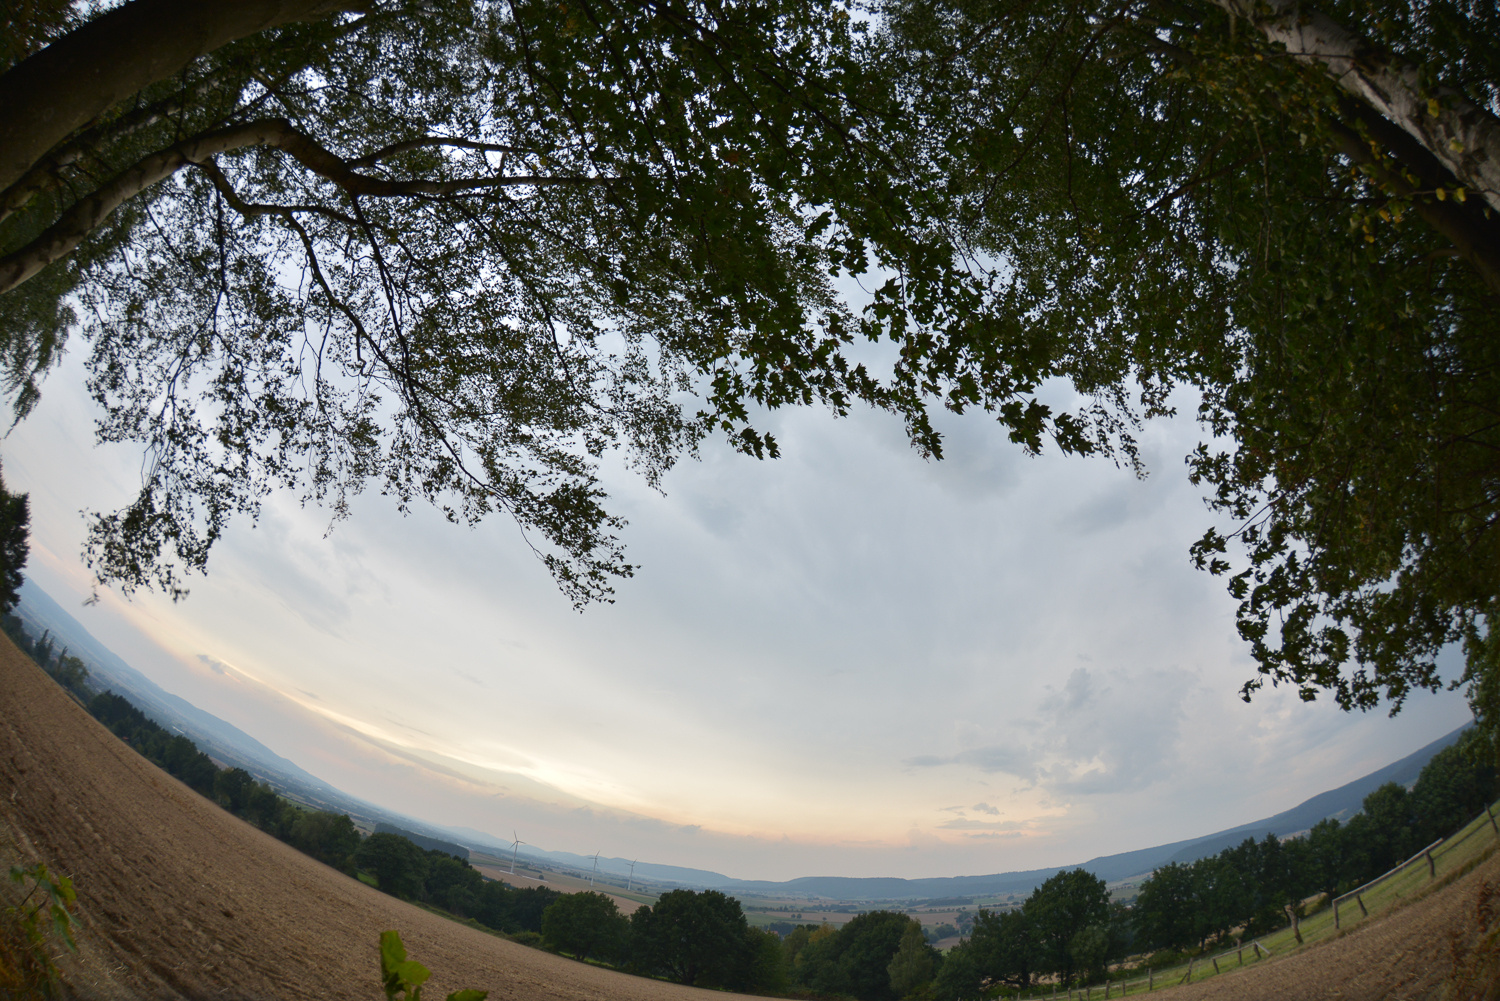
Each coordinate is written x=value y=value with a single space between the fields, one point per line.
x=1441 y=857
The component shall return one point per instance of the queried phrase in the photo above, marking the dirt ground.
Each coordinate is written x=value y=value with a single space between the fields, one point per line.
x=177 y=899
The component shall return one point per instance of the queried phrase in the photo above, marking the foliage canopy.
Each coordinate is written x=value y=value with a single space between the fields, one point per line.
x=461 y=250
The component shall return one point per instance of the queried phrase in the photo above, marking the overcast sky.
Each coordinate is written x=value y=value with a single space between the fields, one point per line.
x=848 y=661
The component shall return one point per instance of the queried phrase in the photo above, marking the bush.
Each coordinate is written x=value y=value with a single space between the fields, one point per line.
x=28 y=930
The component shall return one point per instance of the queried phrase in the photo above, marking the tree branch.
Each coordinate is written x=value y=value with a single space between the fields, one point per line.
x=1474 y=238
x=90 y=211
x=395 y=149
x=54 y=92
x=1464 y=137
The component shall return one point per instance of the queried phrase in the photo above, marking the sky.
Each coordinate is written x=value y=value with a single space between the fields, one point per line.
x=848 y=661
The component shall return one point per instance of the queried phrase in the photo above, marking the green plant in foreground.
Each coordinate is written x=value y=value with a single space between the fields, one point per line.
x=27 y=928
x=405 y=977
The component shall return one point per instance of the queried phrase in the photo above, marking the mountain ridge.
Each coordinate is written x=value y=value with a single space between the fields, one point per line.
x=228 y=743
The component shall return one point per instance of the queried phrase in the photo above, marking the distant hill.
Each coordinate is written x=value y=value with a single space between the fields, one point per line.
x=423 y=841
x=233 y=746
x=220 y=740
x=1340 y=803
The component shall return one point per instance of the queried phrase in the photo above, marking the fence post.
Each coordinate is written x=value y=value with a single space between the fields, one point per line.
x=1431 y=866
x=1189 y=974
x=1241 y=952
x=1216 y=964
x=1491 y=815
x=1257 y=949
x=1335 y=912
x=1360 y=900
x=1150 y=980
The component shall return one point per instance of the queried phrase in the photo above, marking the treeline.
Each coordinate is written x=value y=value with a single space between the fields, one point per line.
x=1255 y=887
x=328 y=837
x=66 y=670
x=703 y=939
x=392 y=862
x=405 y=869
x=1068 y=932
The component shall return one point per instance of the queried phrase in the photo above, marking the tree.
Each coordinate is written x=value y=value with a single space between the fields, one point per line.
x=959 y=978
x=232 y=789
x=694 y=938
x=767 y=970
x=523 y=251
x=1058 y=910
x=399 y=867
x=1089 y=951
x=1390 y=837
x=452 y=884
x=465 y=283
x=1166 y=908
x=911 y=968
x=856 y=961
x=1272 y=204
x=1004 y=947
x=1451 y=790
x=1327 y=844
x=585 y=924
x=329 y=837
x=15 y=528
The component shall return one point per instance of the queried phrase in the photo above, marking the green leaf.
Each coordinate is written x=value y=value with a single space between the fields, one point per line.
x=392 y=952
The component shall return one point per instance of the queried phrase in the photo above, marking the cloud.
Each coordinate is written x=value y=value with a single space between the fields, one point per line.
x=1100 y=732
x=1009 y=759
x=985 y=808
x=970 y=824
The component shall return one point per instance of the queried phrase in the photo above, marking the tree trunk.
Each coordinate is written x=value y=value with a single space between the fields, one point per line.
x=46 y=97
x=1462 y=136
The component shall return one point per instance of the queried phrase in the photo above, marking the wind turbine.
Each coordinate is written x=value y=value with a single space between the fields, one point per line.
x=595 y=857
x=631 y=881
x=515 y=847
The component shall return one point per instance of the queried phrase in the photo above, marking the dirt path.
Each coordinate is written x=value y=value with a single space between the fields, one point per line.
x=178 y=899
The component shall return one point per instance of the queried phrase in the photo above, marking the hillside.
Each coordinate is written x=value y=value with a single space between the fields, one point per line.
x=178 y=899
x=233 y=746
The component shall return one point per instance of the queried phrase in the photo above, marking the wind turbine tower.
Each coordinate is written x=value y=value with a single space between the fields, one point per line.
x=515 y=847
x=595 y=870
x=631 y=881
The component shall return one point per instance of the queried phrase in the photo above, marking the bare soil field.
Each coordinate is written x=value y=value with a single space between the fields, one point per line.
x=179 y=900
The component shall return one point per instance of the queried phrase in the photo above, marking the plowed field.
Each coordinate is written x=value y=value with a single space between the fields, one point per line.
x=178 y=899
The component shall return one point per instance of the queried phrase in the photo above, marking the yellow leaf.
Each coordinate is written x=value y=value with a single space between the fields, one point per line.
x=1432 y=107
x=1459 y=194
x=1442 y=195
x=1455 y=145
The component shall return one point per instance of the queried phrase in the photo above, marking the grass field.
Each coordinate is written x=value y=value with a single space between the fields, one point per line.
x=1451 y=859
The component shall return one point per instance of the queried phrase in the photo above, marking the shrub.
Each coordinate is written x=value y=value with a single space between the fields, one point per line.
x=28 y=930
